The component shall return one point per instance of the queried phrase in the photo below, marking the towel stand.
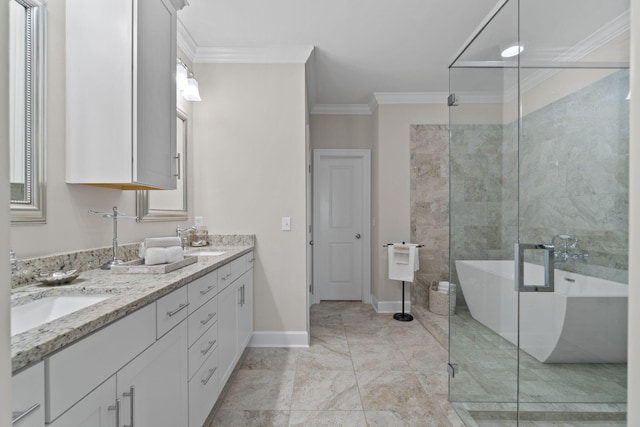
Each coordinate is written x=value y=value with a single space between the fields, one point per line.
x=402 y=317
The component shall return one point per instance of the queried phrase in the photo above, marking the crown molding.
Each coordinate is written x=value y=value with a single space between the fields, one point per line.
x=382 y=98
x=253 y=55
x=341 y=109
x=185 y=42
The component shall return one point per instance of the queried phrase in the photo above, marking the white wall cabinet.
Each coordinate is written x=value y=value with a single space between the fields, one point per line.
x=121 y=93
x=28 y=397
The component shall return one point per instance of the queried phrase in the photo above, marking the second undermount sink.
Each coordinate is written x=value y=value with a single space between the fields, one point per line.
x=204 y=252
x=44 y=310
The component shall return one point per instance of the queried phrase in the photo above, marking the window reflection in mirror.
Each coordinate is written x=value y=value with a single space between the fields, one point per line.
x=26 y=109
x=169 y=205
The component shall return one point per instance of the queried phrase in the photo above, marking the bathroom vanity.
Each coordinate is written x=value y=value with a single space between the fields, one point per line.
x=156 y=352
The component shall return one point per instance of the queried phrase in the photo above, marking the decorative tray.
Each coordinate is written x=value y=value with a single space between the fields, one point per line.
x=58 y=277
x=139 y=267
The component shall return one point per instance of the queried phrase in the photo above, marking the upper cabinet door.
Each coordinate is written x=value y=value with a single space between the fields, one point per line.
x=155 y=158
x=121 y=94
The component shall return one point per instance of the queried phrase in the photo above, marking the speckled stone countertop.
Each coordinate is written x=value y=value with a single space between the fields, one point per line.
x=130 y=292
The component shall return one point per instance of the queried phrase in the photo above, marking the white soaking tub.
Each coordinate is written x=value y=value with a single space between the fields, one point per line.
x=583 y=321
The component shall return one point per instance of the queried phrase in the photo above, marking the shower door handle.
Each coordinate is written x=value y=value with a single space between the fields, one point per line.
x=549 y=284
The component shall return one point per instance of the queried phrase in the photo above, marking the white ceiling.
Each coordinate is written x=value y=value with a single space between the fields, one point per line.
x=361 y=46
x=398 y=49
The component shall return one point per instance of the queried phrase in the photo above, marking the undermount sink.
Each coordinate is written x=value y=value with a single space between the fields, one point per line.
x=203 y=252
x=44 y=310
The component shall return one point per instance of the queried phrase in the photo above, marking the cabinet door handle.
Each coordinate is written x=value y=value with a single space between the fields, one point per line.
x=240 y=296
x=206 y=350
x=209 y=289
x=208 y=319
x=116 y=408
x=177 y=157
x=17 y=416
x=131 y=395
x=204 y=381
x=180 y=307
x=243 y=295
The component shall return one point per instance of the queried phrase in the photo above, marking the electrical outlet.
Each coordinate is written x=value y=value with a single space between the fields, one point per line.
x=286 y=223
x=199 y=221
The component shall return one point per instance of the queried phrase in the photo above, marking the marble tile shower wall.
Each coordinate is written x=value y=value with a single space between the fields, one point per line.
x=430 y=206
x=575 y=174
x=484 y=210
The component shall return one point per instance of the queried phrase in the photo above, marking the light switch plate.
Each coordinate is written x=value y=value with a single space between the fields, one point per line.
x=199 y=221
x=286 y=223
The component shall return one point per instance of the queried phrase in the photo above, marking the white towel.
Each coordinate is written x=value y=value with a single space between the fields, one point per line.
x=400 y=270
x=174 y=253
x=158 y=242
x=155 y=256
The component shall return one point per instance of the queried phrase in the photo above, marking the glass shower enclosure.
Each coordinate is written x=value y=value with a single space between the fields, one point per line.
x=539 y=136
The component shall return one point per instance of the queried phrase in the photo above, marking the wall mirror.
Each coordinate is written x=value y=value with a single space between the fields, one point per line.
x=27 y=110
x=169 y=205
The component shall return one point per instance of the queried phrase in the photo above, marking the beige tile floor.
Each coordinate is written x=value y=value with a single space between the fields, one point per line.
x=362 y=369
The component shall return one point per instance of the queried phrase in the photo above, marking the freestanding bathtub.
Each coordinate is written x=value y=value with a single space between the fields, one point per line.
x=583 y=321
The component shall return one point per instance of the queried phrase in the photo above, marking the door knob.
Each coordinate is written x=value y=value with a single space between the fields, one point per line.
x=357 y=235
x=311 y=242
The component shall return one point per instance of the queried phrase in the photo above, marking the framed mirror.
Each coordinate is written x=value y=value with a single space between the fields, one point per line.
x=27 y=66
x=168 y=205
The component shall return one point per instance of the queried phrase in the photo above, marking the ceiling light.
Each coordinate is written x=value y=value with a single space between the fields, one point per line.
x=181 y=76
x=512 y=51
x=191 y=92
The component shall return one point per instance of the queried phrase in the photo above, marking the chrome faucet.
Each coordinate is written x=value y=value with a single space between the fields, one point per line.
x=566 y=248
x=179 y=233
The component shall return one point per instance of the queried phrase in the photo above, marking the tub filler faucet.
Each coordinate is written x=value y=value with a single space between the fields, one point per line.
x=566 y=248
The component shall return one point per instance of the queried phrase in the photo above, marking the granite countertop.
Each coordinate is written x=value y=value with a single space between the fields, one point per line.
x=130 y=292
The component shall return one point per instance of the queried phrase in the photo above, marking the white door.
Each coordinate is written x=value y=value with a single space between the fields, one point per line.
x=341 y=187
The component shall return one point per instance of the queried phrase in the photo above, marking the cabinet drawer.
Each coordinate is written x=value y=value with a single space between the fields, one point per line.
x=250 y=259
x=202 y=349
x=224 y=277
x=171 y=310
x=76 y=370
x=28 y=397
x=201 y=290
x=204 y=389
x=238 y=267
x=202 y=319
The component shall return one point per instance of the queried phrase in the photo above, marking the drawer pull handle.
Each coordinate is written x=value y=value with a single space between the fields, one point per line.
x=206 y=350
x=209 y=289
x=17 y=416
x=208 y=319
x=204 y=381
x=116 y=408
x=131 y=395
x=180 y=307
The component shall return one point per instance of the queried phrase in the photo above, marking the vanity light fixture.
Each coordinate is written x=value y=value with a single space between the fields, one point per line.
x=181 y=76
x=512 y=51
x=628 y=96
x=191 y=93
x=186 y=84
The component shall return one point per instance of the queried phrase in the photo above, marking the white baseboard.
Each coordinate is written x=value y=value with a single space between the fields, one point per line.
x=279 y=339
x=390 y=306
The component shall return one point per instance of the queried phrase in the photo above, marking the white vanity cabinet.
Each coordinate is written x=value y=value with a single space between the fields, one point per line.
x=236 y=318
x=153 y=387
x=121 y=93
x=99 y=408
x=28 y=397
